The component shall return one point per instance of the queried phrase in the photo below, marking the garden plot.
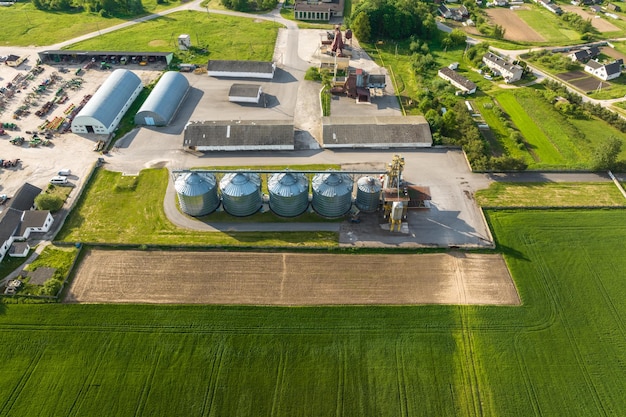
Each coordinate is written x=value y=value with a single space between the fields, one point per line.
x=516 y=28
x=598 y=22
x=291 y=278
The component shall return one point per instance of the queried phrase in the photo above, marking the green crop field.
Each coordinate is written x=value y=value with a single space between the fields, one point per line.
x=561 y=353
x=24 y=25
x=248 y=39
x=129 y=210
x=548 y=25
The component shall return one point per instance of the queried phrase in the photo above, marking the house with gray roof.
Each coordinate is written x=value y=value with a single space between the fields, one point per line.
x=605 y=72
x=510 y=72
x=239 y=135
x=585 y=54
x=18 y=220
x=376 y=132
x=463 y=84
x=104 y=111
x=241 y=69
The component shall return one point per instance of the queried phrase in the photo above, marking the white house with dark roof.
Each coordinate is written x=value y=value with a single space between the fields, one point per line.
x=241 y=69
x=18 y=220
x=463 y=84
x=508 y=71
x=458 y=14
x=376 y=132
x=239 y=135
x=550 y=6
x=605 y=72
x=584 y=55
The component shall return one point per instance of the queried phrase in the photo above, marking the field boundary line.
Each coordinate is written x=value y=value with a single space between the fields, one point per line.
x=21 y=384
x=87 y=383
x=280 y=378
x=213 y=378
x=147 y=386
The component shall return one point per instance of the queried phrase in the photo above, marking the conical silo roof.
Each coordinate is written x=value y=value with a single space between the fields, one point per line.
x=191 y=184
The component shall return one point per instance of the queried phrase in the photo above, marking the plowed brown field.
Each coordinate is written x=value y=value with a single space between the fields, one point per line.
x=291 y=279
x=516 y=28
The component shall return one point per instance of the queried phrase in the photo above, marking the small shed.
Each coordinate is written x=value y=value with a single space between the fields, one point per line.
x=245 y=93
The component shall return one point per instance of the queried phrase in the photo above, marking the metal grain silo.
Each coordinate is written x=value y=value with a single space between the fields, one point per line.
x=289 y=193
x=241 y=193
x=332 y=194
x=368 y=193
x=197 y=193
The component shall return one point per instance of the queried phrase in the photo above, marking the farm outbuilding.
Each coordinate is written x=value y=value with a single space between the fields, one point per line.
x=164 y=100
x=239 y=135
x=376 y=132
x=108 y=105
x=241 y=69
x=245 y=93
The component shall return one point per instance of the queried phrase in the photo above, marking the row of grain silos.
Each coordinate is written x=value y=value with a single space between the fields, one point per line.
x=240 y=193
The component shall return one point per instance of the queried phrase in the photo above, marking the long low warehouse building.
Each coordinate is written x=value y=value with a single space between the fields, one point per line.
x=376 y=132
x=239 y=135
x=241 y=69
x=164 y=100
x=104 y=111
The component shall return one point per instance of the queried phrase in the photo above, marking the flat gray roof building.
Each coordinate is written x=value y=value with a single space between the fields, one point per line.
x=239 y=135
x=376 y=132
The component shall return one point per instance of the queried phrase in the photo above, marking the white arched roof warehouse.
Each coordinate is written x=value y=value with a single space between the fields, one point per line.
x=105 y=109
x=164 y=100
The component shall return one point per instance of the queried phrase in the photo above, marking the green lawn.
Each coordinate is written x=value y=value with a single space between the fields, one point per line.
x=129 y=210
x=540 y=144
x=248 y=39
x=24 y=25
x=555 y=141
x=561 y=353
x=550 y=194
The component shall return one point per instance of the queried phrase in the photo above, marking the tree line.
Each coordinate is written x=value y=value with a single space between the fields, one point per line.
x=105 y=8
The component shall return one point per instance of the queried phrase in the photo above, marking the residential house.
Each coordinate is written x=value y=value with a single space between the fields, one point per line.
x=550 y=6
x=510 y=72
x=613 y=7
x=463 y=84
x=458 y=14
x=605 y=72
x=584 y=55
x=18 y=221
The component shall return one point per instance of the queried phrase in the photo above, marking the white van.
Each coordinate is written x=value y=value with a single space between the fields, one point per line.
x=58 y=180
x=64 y=172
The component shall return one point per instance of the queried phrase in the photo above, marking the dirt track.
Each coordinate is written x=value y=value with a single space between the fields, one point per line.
x=291 y=279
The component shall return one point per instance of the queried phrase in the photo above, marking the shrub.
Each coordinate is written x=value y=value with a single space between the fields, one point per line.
x=45 y=201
